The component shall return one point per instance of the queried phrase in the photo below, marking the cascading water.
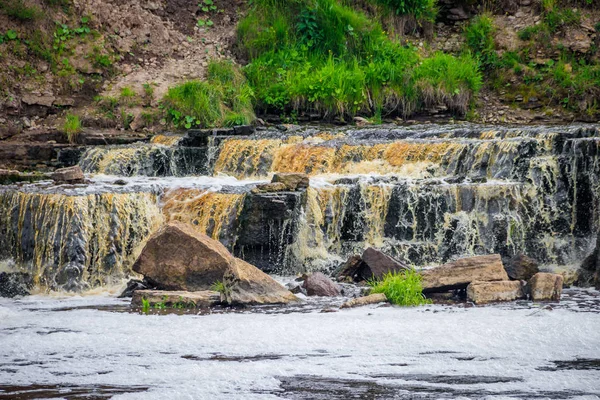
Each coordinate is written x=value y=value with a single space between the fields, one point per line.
x=425 y=195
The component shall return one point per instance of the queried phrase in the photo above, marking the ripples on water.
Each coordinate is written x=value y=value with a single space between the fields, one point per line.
x=95 y=347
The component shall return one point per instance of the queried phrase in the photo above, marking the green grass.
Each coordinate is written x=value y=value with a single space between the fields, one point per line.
x=18 y=10
x=401 y=288
x=72 y=127
x=426 y=9
x=218 y=287
x=326 y=57
x=224 y=98
x=479 y=39
x=145 y=305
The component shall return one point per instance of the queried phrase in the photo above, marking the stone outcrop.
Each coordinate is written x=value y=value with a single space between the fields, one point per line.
x=521 y=267
x=9 y=176
x=545 y=287
x=318 y=284
x=179 y=299
x=178 y=258
x=292 y=181
x=490 y=292
x=69 y=175
x=365 y=300
x=350 y=269
x=460 y=273
x=270 y=187
x=589 y=271
x=246 y=284
x=377 y=264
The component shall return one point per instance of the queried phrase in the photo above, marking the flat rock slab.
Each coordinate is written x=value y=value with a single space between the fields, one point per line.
x=366 y=300
x=491 y=292
x=202 y=299
x=546 y=287
x=460 y=273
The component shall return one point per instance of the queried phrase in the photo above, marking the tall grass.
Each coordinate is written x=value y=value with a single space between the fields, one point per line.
x=223 y=99
x=72 y=127
x=402 y=288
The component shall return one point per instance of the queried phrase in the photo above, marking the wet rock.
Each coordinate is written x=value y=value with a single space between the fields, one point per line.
x=351 y=269
x=490 y=292
x=292 y=181
x=69 y=175
x=366 y=300
x=589 y=271
x=135 y=284
x=8 y=176
x=270 y=187
x=246 y=284
x=545 y=286
x=460 y=273
x=318 y=284
x=377 y=264
x=14 y=284
x=521 y=267
x=177 y=257
x=179 y=299
x=295 y=288
x=120 y=182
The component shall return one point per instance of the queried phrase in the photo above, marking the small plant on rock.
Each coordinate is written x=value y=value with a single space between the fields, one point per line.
x=402 y=288
x=72 y=127
x=145 y=305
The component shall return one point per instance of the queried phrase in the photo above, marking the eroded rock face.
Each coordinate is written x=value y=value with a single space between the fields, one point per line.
x=292 y=181
x=14 y=284
x=246 y=284
x=545 y=286
x=318 y=284
x=460 y=273
x=177 y=257
x=365 y=300
x=521 y=267
x=377 y=264
x=490 y=292
x=69 y=175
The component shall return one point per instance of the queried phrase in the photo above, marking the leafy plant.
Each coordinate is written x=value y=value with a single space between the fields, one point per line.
x=205 y=22
x=218 y=287
x=402 y=288
x=145 y=305
x=72 y=127
x=207 y=6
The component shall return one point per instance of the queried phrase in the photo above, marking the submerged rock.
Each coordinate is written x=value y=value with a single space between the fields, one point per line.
x=460 y=273
x=365 y=300
x=489 y=292
x=545 y=286
x=14 y=284
x=521 y=267
x=9 y=176
x=135 y=284
x=69 y=175
x=246 y=284
x=377 y=264
x=292 y=181
x=318 y=284
x=179 y=299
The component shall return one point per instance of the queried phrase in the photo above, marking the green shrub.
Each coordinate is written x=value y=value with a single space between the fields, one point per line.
x=17 y=9
x=401 y=288
x=72 y=127
x=479 y=39
x=418 y=8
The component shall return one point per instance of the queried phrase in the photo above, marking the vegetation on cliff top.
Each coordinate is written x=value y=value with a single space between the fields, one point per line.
x=323 y=56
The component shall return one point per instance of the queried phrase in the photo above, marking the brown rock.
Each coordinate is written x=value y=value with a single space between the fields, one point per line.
x=489 y=292
x=351 y=268
x=270 y=187
x=545 y=286
x=69 y=175
x=292 y=181
x=458 y=274
x=246 y=284
x=177 y=257
x=33 y=100
x=203 y=299
x=366 y=300
x=378 y=264
x=318 y=284
x=521 y=267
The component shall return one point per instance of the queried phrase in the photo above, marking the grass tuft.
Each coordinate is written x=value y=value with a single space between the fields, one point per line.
x=72 y=127
x=401 y=288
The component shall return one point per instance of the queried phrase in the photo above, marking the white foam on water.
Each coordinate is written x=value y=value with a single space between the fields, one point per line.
x=386 y=344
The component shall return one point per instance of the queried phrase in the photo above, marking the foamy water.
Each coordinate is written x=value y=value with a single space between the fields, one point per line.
x=506 y=351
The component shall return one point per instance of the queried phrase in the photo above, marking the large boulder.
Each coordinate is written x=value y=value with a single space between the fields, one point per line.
x=521 y=267
x=376 y=264
x=292 y=181
x=318 y=284
x=545 y=287
x=177 y=257
x=351 y=269
x=489 y=292
x=70 y=175
x=246 y=284
x=460 y=273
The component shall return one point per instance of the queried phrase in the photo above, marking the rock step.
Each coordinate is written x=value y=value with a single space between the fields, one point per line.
x=202 y=299
x=365 y=300
x=490 y=292
x=460 y=273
